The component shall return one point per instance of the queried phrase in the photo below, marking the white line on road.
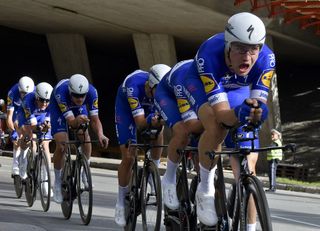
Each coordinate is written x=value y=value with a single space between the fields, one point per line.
x=300 y=222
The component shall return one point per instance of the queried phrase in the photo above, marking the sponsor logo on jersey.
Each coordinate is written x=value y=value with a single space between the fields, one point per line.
x=265 y=79
x=183 y=105
x=27 y=112
x=62 y=107
x=9 y=101
x=208 y=83
x=133 y=102
x=95 y=103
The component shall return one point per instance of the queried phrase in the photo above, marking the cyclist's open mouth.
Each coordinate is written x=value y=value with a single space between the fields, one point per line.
x=244 y=67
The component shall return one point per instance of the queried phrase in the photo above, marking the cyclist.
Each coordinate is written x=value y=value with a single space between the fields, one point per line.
x=175 y=109
x=228 y=83
x=36 y=117
x=73 y=102
x=134 y=110
x=14 y=110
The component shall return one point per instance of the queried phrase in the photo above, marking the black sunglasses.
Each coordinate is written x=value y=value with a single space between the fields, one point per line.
x=78 y=96
x=44 y=100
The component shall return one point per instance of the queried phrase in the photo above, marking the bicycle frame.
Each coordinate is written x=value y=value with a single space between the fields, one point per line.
x=241 y=184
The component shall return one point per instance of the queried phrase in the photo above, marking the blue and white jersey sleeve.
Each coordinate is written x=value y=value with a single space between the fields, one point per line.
x=29 y=107
x=62 y=96
x=134 y=88
x=13 y=98
x=263 y=70
x=92 y=101
x=210 y=65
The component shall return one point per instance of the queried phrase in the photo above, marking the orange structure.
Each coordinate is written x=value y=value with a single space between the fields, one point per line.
x=304 y=11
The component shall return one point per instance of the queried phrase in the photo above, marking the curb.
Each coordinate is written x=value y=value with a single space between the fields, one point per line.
x=113 y=164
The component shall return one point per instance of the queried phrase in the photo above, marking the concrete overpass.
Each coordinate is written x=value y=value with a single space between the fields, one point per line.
x=157 y=30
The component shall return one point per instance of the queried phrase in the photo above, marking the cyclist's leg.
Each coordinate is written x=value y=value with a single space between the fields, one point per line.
x=24 y=150
x=126 y=131
x=46 y=150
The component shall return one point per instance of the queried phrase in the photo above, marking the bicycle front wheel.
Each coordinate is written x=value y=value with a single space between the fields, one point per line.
x=254 y=202
x=66 y=189
x=30 y=187
x=44 y=182
x=18 y=187
x=132 y=201
x=84 y=190
x=151 y=198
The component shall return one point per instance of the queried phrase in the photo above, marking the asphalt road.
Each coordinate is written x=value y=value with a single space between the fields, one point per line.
x=290 y=210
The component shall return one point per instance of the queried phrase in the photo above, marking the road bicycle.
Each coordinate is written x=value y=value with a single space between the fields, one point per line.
x=248 y=187
x=145 y=194
x=76 y=176
x=185 y=217
x=38 y=174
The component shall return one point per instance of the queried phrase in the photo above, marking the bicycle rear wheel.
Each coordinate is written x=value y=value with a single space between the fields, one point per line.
x=132 y=201
x=84 y=189
x=30 y=184
x=66 y=189
x=151 y=198
x=44 y=182
x=255 y=193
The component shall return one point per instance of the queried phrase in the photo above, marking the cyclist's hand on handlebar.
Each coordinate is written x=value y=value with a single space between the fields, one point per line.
x=14 y=136
x=104 y=141
x=82 y=119
x=252 y=111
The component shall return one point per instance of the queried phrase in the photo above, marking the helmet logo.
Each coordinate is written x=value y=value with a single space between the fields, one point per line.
x=80 y=87
x=250 y=30
x=46 y=93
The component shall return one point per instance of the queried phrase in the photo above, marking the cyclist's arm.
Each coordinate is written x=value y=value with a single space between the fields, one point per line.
x=9 y=121
x=225 y=115
x=96 y=125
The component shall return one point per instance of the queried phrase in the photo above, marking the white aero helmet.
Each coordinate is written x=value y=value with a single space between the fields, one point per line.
x=43 y=90
x=156 y=73
x=245 y=28
x=78 y=84
x=26 y=84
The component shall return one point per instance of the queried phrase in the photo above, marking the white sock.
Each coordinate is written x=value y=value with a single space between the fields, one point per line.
x=206 y=180
x=251 y=227
x=57 y=174
x=16 y=154
x=122 y=191
x=170 y=174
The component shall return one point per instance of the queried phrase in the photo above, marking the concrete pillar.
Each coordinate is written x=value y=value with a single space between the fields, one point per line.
x=69 y=55
x=273 y=121
x=153 y=49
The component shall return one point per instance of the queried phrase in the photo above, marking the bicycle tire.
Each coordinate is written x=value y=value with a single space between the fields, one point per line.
x=44 y=182
x=152 y=171
x=132 y=201
x=18 y=187
x=30 y=184
x=66 y=189
x=84 y=189
x=221 y=199
x=254 y=187
x=236 y=208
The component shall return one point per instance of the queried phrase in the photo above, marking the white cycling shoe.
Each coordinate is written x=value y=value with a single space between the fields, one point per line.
x=57 y=194
x=119 y=216
x=206 y=210
x=169 y=193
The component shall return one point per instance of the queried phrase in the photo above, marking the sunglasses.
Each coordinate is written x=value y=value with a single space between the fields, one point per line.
x=78 y=96
x=44 y=100
x=244 y=48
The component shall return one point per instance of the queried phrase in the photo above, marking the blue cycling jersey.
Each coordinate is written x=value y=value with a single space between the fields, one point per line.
x=62 y=107
x=131 y=101
x=14 y=102
x=209 y=79
x=33 y=115
x=170 y=99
